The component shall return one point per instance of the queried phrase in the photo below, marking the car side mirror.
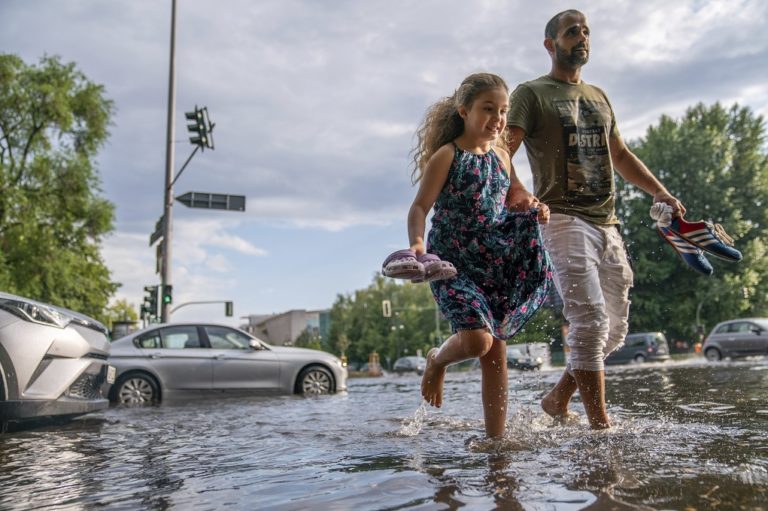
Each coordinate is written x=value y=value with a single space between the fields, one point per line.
x=757 y=330
x=255 y=344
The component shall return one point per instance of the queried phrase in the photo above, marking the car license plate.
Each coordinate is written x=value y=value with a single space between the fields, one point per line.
x=111 y=374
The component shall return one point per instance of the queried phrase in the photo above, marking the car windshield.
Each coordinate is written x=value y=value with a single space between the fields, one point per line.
x=762 y=323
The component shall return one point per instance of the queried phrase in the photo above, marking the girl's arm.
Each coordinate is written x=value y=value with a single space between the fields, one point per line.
x=432 y=181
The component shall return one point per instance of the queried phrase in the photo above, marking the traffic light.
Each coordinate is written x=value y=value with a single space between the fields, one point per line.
x=228 y=308
x=167 y=294
x=149 y=307
x=200 y=128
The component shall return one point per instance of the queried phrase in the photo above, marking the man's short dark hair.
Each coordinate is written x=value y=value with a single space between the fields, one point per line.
x=550 y=31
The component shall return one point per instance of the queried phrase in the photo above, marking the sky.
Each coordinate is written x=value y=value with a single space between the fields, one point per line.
x=315 y=105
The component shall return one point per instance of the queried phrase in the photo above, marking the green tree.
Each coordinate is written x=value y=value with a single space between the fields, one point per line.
x=53 y=120
x=714 y=160
x=121 y=310
x=308 y=339
x=358 y=326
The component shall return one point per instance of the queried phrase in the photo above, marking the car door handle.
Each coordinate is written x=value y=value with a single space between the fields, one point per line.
x=219 y=356
x=154 y=355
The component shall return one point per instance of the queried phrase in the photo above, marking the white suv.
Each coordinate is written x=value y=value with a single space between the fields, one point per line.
x=53 y=361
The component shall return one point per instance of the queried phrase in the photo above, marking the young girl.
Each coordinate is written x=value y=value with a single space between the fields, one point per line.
x=502 y=269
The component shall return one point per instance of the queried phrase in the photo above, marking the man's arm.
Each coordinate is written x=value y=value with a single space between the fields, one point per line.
x=518 y=198
x=633 y=170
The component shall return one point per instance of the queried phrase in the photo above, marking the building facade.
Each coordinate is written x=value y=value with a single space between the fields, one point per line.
x=282 y=329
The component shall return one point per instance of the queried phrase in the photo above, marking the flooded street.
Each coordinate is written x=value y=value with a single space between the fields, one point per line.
x=687 y=435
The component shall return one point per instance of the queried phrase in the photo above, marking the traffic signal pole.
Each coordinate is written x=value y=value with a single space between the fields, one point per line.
x=165 y=270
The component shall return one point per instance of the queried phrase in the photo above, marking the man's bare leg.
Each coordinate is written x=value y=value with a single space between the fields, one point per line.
x=495 y=387
x=461 y=346
x=592 y=389
x=555 y=403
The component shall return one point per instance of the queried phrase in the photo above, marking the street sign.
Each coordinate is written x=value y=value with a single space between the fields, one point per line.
x=159 y=230
x=213 y=201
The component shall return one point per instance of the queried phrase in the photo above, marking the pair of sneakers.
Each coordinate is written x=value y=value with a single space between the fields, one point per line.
x=404 y=264
x=692 y=239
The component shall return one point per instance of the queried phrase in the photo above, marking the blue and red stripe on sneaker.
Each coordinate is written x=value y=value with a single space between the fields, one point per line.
x=709 y=237
x=690 y=254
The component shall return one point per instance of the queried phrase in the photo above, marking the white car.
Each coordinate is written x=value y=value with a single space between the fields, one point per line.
x=53 y=361
x=172 y=360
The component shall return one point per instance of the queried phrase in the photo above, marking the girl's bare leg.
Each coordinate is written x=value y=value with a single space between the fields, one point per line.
x=495 y=388
x=461 y=346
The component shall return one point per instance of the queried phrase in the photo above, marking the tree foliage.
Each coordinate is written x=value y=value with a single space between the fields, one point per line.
x=120 y=310
x=53 y=120
x=358 y=326
x=714 y=160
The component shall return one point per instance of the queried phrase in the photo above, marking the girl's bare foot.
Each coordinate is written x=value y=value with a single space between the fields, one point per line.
x=432 y=381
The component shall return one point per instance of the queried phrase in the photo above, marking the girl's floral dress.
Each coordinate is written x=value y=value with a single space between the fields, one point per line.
x=503 y=270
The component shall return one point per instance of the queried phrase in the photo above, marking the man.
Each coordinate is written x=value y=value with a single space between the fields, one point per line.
x=573 y=146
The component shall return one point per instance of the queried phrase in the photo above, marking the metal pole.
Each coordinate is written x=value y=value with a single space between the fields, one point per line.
x=166 y=275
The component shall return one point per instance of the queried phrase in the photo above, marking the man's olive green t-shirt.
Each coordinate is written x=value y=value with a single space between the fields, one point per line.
x=567 y=127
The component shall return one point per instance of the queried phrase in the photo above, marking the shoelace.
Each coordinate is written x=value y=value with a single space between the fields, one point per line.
x=720 y=233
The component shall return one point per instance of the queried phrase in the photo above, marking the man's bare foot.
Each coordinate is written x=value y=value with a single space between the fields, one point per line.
x=432 y=381
x=555 y=408
x=600 y=422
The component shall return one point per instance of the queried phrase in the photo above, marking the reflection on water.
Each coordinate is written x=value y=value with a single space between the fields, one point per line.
x=687 y=435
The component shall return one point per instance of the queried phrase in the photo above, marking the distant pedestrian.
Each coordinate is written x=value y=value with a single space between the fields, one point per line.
x=502 y=270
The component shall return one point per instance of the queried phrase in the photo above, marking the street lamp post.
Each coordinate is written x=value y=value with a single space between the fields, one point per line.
x=395 y=329
x=166 y=245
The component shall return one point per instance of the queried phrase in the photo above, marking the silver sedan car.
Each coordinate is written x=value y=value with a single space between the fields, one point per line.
x=737 y=338
x=53 y=361
x=172 y=360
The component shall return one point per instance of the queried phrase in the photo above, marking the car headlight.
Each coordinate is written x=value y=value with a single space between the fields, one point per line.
x=36 y=312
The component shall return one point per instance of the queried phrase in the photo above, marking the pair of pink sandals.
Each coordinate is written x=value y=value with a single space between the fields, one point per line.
x=404 y=264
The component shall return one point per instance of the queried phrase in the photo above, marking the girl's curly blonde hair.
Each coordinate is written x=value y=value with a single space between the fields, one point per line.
x=442 y=122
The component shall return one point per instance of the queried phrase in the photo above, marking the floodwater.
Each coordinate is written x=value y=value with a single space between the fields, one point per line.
x=688 y=435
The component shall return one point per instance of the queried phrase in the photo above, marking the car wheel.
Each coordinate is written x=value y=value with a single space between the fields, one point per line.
x=315 y=380
x=639 y=359
x=713 y=354
x=136 y=389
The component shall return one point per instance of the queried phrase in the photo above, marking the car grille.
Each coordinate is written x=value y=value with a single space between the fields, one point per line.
x=88 y=386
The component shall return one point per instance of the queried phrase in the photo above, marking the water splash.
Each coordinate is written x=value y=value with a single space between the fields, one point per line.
x=412 y=426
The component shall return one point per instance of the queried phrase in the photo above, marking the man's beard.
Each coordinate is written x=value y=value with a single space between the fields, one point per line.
x=571 y=59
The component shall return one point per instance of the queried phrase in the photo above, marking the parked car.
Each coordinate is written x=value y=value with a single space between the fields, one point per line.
x=737 y=338
x=411 y=364
x=53 y=361
x=167 y=360
x=516 y=359
x=641 y=347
